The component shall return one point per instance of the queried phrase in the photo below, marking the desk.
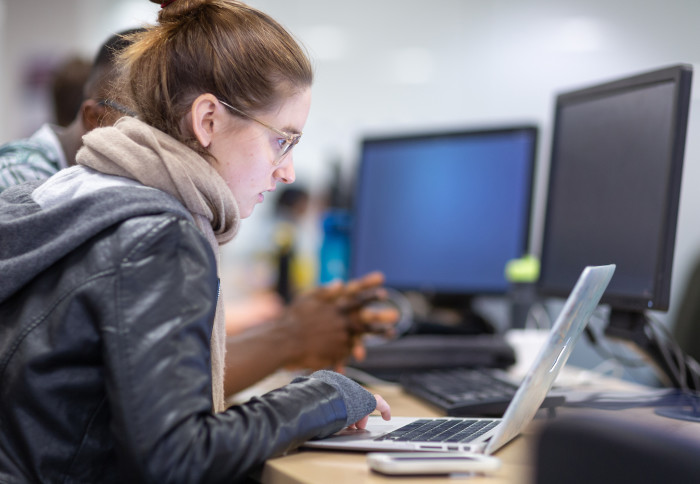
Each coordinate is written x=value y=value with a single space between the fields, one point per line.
x=323 y=467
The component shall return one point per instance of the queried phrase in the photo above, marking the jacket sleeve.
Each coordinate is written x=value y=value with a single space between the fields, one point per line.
x=159 y=379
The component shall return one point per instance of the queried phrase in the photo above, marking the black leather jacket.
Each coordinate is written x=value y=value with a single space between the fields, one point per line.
x=104 y=352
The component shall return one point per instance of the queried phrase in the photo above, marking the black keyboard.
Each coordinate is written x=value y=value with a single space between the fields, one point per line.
x=423 y=352
x=441 y=430
x=466 y=391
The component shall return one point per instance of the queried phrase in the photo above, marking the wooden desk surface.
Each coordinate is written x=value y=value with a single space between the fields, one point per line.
x=324 y=467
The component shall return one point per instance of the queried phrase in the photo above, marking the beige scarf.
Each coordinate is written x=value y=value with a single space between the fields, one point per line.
x=135 y=150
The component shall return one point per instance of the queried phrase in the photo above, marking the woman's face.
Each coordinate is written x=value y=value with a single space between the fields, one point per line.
x=246 y=154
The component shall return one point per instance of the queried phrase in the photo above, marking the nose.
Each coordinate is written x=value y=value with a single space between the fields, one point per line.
x=285 y=171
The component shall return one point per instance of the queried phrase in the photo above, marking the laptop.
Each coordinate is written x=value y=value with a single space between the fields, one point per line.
x=486 y=435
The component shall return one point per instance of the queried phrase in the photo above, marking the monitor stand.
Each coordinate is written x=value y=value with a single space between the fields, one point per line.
x=452 y=315
x=690 y=413
x=633 y=327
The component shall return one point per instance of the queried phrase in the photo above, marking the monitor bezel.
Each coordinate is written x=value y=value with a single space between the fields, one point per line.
x=681 y=76
x=530 y=129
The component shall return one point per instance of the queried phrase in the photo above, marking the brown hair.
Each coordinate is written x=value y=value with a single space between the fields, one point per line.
x=104 y=73
x=223 y=47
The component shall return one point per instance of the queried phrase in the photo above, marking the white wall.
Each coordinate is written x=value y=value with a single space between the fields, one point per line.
x=392 y=65
x=36 y=32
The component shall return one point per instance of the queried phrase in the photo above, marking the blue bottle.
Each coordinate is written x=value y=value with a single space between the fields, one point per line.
x=335 y=247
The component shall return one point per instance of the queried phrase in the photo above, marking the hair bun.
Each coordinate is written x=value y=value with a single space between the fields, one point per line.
x=163 y=3
x=173 y=10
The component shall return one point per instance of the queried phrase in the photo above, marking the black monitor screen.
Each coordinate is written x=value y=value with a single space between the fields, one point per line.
x=615 y=173
x=443 y=213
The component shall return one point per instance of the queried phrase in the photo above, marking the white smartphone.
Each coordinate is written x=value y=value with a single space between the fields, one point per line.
x=420 y=463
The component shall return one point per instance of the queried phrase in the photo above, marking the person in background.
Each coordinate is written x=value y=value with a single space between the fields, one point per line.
x=112 y=339
x=292 y=204
x=54 y=146
x=68 y=89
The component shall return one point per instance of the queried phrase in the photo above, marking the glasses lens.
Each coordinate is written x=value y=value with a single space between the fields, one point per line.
x=287 y=145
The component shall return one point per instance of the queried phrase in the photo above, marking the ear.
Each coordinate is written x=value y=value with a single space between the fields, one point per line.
x=91 y=113
x=205 y=118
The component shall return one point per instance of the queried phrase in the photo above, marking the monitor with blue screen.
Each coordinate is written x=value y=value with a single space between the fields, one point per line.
x=442 y=213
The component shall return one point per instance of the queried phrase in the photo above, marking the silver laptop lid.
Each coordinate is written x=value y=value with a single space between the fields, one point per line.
x=553 y=355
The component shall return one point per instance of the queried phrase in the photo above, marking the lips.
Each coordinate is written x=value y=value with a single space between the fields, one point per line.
x=261 y=195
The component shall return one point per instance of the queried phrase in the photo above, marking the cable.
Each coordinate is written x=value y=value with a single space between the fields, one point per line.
x=683 y=365
x=682 y=368
x=603 y=351
x=537 y=313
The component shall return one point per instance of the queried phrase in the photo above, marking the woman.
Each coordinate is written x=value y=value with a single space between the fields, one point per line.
x=111 y=336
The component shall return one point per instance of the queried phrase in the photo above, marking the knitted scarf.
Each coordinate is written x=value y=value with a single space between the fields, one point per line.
x=135 y=150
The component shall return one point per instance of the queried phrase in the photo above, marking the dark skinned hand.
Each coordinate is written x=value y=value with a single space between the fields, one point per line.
x=330 y=321
x=319 y=329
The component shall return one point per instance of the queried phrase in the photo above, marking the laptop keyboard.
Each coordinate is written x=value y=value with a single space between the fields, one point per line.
x=441 y=430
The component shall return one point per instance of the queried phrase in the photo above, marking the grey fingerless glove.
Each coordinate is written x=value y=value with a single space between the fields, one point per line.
x=358 y=401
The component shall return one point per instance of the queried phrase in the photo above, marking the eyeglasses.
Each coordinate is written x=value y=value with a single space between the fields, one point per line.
x=116 y=106
x=288 y=141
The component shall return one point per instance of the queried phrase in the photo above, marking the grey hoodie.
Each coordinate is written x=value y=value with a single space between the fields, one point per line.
x=32 y=238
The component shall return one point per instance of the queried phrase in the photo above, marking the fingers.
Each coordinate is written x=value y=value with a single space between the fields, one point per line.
x=359 y=352
x=355 y=293
x=361 y=424
x=369 y=281
x=337 y=288
x=379 y=315
x=329 y=292
x=372 y=279
x=349 y=303
x=382 y=407
x=379 y=321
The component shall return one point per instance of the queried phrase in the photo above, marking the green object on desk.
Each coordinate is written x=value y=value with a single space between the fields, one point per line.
x=526 y=269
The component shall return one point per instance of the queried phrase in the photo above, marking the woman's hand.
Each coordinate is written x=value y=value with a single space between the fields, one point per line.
x=382 y=407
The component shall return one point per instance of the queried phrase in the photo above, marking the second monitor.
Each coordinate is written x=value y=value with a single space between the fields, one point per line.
x=616 y=168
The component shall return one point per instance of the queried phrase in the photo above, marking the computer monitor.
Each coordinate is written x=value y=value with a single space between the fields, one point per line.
x=614 y=187
x=442 y=213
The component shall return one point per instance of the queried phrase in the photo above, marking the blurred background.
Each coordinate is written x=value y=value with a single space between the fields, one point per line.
x=394 y=66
